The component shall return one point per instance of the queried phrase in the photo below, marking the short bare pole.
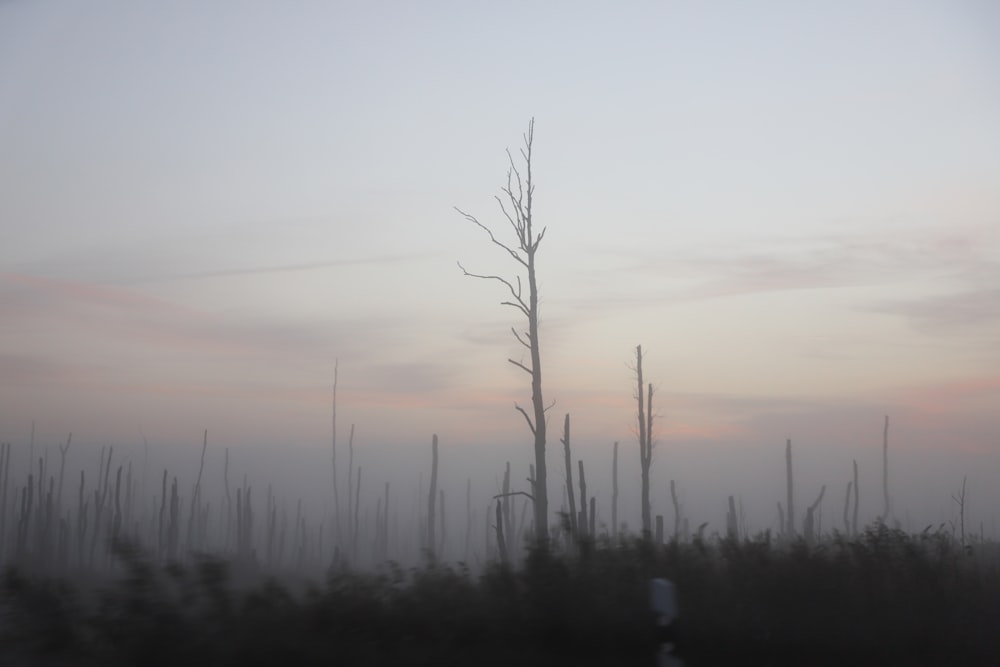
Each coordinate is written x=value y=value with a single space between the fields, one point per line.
x=614 y=493
x=432 y=497
x=501 y=543
x=960 y=501
x=854 y=517
x=790 y=501
x=677 y=510
x=885 y=470
x=569 y=477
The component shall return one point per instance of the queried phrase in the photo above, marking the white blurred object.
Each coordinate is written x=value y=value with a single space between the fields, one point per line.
x=663 y=603
x=663 y=600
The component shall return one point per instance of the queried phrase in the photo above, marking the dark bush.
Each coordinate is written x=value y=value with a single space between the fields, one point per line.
x=884 y=598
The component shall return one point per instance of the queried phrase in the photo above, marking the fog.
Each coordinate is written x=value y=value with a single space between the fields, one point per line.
x=924 y=486
x=793 y=209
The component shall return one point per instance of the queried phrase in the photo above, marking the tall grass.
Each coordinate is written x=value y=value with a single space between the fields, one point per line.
x=886 y=597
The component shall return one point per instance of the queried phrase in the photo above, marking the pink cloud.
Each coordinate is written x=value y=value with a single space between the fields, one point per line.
x=948 y=396
x=94 y=312
x=93 y=293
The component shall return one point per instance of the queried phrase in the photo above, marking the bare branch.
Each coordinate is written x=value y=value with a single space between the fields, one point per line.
x=516 y=293
x=519 y=305
x=521 y=366
x=515 y=222
x=519 y=339
x=514 y=493
x=531 y=424
x=520 y=182
x=551 y=405
x=510 y=251
x=538 y=240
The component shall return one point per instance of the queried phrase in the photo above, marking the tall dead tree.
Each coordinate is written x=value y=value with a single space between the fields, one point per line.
x=350 y=488
x=677 y=510
x=432 y=497
x=196 y=498
x=569 y=477
x=790 y=516
x=960 y=501
x=614 y=494
x=516 y=206
x=885 y=470
x=809 y=524
x=645 y=440
x=62 y=471
x=333 y=458
x=854 y=517
x=847 y=507
x=732 y=521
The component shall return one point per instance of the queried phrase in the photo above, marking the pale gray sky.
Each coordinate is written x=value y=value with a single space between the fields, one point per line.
x=795 y=208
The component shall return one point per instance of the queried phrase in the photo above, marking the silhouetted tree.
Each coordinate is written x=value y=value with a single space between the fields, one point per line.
x=569 y=478
x=432 y=497
x=645 y=441
x=809 y=524
x=854 y=517
x=790 y=517
x=885 y=471
x=515 y=204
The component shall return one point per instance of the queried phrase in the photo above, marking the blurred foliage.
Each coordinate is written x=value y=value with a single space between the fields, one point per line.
x=885 y=597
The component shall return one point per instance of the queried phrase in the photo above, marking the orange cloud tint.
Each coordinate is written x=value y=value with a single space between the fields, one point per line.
x=943 y=397
x=96 y=293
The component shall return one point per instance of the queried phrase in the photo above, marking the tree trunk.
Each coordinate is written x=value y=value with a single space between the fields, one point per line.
x=885 y=470
x=677 y=510
x=540 y=492
x=790 y=515
x=847 y=506
x=808 y=526
x=854 y=518
x=644 y=494
x=432 y=497
x=614 y=494
x=732 y=524
x=569 y=478
x=519 y=194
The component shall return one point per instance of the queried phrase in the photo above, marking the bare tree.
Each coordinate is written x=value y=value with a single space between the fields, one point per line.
x=614 y=494
x=677 y=510
x=645 y=440
x=62 y=471
x=847 y=507
x=854 y=517
x=569 y=478
x=885 y=471
x=333 y=458
x=515 y=204
x=960 y=501
x=432 y=497
x=809 y=524
x=790 y=518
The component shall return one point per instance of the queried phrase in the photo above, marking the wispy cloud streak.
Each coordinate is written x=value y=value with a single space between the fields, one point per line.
x=962 y=259
x=280 y=268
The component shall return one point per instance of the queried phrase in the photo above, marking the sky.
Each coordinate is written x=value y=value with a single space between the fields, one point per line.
x=793 y=207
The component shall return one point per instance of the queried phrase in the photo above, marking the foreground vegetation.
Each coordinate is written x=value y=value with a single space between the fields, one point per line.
x=885 y=597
